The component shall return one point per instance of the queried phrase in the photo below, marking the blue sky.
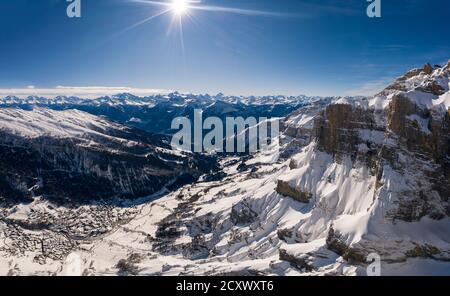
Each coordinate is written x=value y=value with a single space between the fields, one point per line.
x=309 y=47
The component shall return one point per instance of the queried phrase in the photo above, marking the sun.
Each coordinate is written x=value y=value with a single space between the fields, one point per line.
x=179 y=7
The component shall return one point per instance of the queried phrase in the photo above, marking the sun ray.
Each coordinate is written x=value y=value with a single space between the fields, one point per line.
x=192 y=19
x=179 y=7
x=183 y=53
x=183 y=10
x=150 y=2
x=240 y=11
x=196 y=5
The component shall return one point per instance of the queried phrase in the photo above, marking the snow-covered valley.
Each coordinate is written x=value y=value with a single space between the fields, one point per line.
x=355 y=177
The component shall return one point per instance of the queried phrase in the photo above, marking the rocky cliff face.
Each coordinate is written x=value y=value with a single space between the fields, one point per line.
x=297 y=194
x=407 y=128
x=386 y=158
x=401 y=137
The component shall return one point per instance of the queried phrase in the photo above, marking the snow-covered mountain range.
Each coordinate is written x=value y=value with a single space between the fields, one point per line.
x=155 y=113
x=175 y=98
x=355 y=177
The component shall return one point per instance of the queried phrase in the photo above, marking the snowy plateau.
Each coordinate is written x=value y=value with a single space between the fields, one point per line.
x=91 y=186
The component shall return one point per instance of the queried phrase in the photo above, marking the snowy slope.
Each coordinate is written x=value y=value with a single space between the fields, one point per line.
x=42 y=121
x=75 y=156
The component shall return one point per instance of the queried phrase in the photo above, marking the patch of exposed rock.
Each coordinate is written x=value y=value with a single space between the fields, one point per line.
x=336 y=244
x=285 y=189
x=296 y=262
x=242 y=214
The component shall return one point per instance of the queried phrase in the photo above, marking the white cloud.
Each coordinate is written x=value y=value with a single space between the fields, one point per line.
x=82 y=92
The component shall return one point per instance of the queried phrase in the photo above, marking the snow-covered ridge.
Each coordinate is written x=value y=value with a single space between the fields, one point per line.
x=174 y=98
x=427 y=87
x=42 y=121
